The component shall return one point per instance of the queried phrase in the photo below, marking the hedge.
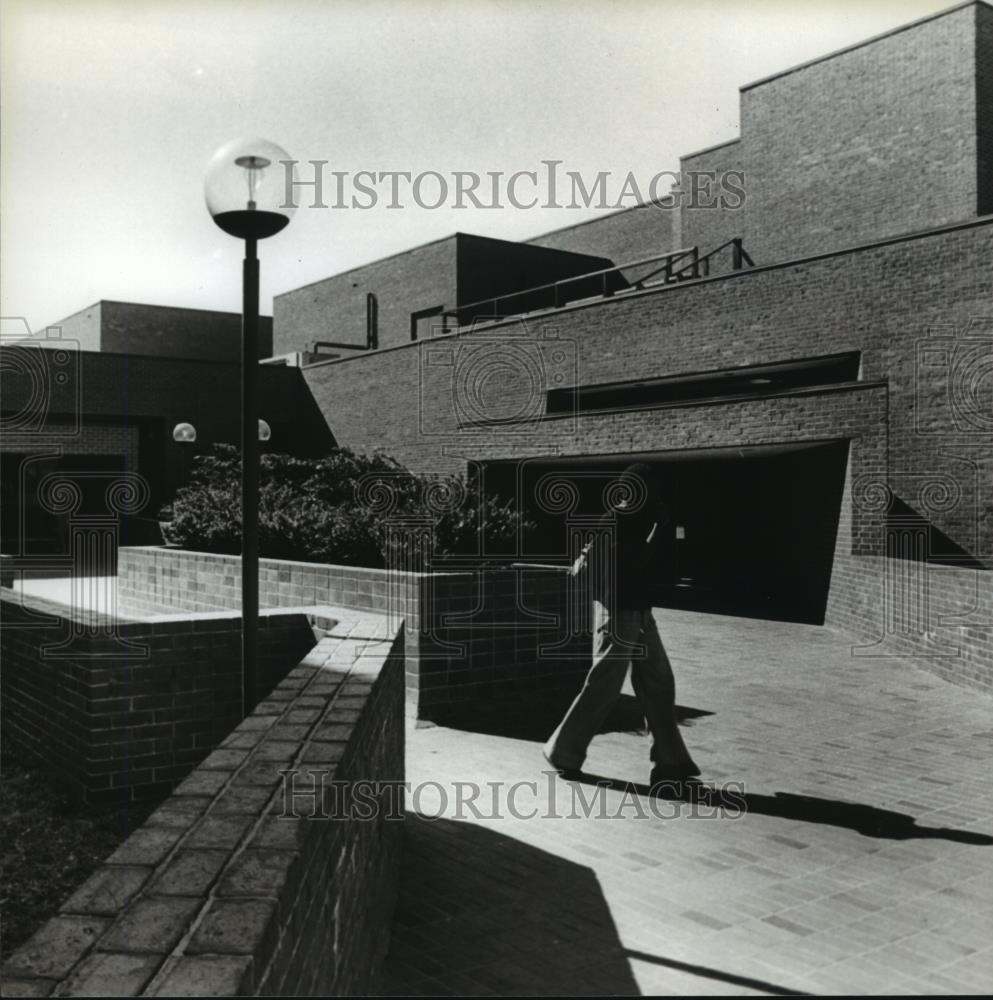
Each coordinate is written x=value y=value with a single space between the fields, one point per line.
x=344 y=508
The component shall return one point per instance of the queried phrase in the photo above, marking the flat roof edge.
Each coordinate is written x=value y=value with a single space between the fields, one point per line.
x=537 y=317
x=710 y=149
x=858 y=45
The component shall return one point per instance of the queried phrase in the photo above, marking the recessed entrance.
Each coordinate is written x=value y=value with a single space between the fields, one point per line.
x=751 y=531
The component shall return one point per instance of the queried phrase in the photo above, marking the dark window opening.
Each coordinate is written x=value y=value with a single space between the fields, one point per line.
x=426 y=322
x=754 y=380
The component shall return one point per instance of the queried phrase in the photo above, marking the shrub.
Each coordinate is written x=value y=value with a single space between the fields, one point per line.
x=338 y=509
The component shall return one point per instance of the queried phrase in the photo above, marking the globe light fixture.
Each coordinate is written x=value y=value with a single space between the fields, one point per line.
x=245 y=189
x=184 y=434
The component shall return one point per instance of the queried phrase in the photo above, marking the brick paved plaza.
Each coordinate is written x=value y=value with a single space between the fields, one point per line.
x=864 y=861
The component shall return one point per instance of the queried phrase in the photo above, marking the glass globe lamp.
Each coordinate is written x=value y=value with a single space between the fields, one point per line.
x=245 y=188
x=184 y=433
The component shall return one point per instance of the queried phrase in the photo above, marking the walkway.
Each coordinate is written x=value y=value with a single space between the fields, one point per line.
x=864 y=861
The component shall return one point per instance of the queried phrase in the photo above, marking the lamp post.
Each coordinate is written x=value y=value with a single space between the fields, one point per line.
x=245 y=193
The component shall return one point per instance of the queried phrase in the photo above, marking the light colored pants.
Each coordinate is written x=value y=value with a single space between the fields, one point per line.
x=624 y=637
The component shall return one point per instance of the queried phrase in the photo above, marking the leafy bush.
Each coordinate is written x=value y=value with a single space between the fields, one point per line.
x=344 y=508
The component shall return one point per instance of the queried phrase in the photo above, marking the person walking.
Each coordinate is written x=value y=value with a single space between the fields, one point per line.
x=619 y=564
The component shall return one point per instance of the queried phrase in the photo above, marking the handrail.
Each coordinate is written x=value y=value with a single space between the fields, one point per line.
x=697 y=266
x=555 y=286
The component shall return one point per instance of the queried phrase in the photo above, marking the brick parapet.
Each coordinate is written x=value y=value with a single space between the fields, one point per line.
x=218 y=893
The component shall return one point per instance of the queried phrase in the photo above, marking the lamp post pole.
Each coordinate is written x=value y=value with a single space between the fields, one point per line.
x=245 y=197
x=250 y=477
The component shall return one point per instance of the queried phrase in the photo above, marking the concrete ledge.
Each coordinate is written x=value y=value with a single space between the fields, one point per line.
x=224 y=891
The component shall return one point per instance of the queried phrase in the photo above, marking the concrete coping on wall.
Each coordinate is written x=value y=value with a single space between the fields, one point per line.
x=207 y=897
x=322 y=618
x=472 y=564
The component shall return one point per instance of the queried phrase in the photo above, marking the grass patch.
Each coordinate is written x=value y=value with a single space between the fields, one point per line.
x=49 y=846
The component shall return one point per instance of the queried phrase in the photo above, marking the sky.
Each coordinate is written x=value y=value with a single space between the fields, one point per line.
x=110 y=111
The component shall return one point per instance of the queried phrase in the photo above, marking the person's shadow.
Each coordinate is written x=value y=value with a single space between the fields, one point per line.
x=870 y=821
x=536 y=723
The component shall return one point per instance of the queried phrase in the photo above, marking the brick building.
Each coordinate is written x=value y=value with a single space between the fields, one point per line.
x=161 y=331
x=87 y=417
x=810 y=369
x=822 y=417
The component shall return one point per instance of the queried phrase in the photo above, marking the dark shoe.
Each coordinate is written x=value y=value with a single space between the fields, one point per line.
x=673 y=772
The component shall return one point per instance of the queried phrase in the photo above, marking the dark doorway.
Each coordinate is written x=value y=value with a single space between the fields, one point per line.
x=751 y=531
x=29 y=527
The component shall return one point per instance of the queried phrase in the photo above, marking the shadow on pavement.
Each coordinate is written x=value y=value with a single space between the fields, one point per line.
x=537 y=723
x=482 y=914
x=485 y=914
x=724 y=977
x=870 y=821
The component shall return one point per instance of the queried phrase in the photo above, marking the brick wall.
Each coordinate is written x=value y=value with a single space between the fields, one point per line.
x=156 y=580
x=171 y=332
x=457 y=271
x=118 y=709
x=893 y=302
x=222 y=892
x=475 y=635
x=889 y=136
x=335 y=308
x=887 y=301
x=135 y=328
x=121 y=399
x=87 y=439
x=495 y=635
x=706 y=225
x=625 y=236
x=877 y=140
x=939 y=617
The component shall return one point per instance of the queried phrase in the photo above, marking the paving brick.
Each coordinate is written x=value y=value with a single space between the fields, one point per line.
x=234 y=927
x=28 y=987
x=206 y=976
x=809 y=889
x=152 y=924
x=179 y=812
x=242 y=799
x=189 y=873
x=55 y=948
x=146 y=846
x=257 y=873
x=107 y=891
x=106 y=974
x=219 y=831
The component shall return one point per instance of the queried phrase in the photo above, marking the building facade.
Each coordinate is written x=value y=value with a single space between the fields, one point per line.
x=811 y=368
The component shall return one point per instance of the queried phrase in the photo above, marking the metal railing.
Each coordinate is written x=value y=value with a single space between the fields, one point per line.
x=685 y=264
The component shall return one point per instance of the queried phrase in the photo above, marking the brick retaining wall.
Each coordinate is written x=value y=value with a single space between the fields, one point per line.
x=121 y=709
x=218 y=894
x=475 y=634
